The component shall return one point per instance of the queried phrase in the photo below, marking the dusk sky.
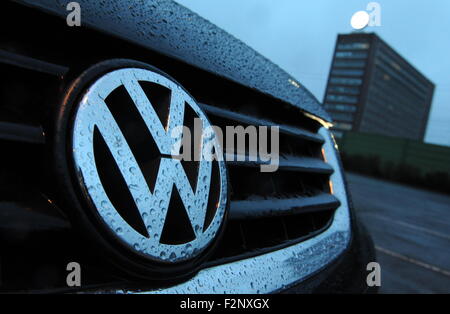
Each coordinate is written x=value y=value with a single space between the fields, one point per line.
x=300 y=36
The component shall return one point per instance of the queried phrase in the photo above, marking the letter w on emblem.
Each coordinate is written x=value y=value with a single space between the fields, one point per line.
x=154 y=205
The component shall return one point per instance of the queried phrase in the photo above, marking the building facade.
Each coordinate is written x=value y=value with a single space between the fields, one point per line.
x=372 y=89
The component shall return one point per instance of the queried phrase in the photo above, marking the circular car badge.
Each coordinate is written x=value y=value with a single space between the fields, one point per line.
x=127 y=151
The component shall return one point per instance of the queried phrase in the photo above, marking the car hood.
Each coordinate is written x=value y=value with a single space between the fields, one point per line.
x=173 y=30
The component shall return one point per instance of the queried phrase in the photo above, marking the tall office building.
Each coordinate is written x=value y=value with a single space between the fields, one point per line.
x=371 y=88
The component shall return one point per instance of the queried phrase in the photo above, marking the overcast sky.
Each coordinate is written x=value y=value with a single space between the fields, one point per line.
x=299 y=35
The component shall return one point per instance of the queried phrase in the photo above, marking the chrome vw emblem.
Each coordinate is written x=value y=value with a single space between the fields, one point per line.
x=123 y=143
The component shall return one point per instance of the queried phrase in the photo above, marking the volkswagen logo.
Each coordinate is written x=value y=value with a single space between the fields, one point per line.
x=160 y=207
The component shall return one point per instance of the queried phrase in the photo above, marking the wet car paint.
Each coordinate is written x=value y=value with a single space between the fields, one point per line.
x=173 y=30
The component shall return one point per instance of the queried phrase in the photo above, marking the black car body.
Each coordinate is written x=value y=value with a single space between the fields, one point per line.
x=320 y=249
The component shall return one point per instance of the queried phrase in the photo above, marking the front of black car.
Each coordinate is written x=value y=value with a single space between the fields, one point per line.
x=291 y=230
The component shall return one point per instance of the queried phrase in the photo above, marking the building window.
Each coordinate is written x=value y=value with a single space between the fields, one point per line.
x=349 y=64
x=346 y=81
x=342 y=98
x=356 y=46
x=341 y=107
x=344 y=90
x=347 y=72
x=351 y=55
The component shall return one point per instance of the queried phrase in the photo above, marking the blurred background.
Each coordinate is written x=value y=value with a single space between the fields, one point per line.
x=381 y=69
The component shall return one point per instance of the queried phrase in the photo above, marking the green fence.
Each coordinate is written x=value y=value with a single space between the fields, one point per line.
x=398 y=159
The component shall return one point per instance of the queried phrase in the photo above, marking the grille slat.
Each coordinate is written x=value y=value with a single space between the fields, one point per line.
x=263 y=208
x=21 y=133
x=270 y=210
x=286 y=163
x=248 y=120
x=33 y=64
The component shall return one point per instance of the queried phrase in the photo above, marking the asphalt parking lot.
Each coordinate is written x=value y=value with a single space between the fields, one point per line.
x=411 y=231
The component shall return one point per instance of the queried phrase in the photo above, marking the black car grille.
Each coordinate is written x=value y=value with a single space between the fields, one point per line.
x=271 y=209
x=267 y=211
